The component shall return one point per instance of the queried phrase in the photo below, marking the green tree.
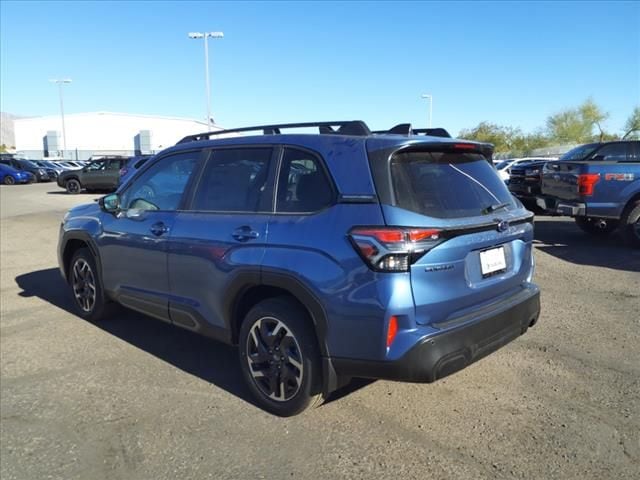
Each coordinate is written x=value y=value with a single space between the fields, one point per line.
x=577 y=124
x=500 y=137
x=3 y=148
x=506 y=139
x=633 y=123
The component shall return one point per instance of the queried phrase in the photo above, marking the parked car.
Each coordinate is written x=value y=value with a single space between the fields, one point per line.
x=11 y=176
x=101 y=174
x=599 y=185
x=39 y=173
x=51 y=171
x=132 y=165
x=525 y=181
x=323 y=257
x=504 y=166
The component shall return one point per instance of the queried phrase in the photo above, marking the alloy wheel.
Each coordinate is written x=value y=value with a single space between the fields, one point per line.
x=73 y=186
x=275 y=359
x=9 y=180
x=84 y=285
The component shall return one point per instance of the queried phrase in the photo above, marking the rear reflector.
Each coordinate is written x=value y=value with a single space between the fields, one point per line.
x=587 y=183
x=392 y=330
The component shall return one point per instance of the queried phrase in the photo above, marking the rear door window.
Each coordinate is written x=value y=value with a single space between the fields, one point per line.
x=234 y=180
x=447 y=185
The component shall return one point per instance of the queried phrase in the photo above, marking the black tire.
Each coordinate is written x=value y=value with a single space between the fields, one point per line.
x=73 y=186
x=299 y=357
x=597 y=226
x=9 y=180
x=630 y=225
x=82 y=272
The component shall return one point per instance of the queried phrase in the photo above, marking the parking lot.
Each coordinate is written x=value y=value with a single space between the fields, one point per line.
x=136 y=398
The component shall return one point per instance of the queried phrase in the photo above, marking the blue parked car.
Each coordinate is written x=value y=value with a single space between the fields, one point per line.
x=322 y=256
x=11 y=176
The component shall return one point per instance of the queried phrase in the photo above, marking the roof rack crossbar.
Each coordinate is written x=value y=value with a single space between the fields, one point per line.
x=348 y=127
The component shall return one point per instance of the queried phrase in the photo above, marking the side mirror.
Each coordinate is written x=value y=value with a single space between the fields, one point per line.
x=110 y=203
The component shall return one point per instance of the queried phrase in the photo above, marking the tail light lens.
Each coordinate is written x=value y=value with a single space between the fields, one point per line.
x=587 y=183
x=393 y=249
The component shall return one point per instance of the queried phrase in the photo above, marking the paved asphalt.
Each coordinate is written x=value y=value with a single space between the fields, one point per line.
x=133 y=398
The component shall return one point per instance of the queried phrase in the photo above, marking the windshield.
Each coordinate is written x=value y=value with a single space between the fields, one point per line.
x=447 y=185
x=503 y=165
x=581 y=152
x=29 y=163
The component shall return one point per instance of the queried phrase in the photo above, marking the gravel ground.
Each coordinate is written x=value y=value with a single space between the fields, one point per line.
x=134 y=398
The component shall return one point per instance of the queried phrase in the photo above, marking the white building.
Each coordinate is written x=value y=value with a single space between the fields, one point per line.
x=100 y=133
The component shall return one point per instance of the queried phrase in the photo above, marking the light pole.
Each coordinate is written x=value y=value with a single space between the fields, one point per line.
x=205 y=36
x=61 y=82
x=430 y=97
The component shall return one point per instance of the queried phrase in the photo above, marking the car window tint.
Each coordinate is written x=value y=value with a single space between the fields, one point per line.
x=161 y=187
x=615 y=152
x=94 y=166
x=302 y=185
x=113 y=165
x=447 y=185
x=233 y=180
x=633 y=152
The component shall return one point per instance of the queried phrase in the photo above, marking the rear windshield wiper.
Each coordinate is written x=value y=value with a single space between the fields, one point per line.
x=493 y=208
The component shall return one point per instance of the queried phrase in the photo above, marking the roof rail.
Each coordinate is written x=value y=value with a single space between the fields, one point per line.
x=407 y=129
x=348 y=127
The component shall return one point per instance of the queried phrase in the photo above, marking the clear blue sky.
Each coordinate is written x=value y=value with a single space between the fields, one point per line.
x=508 y=63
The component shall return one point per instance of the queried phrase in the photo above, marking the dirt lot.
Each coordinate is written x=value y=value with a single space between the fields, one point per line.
x=135 y=398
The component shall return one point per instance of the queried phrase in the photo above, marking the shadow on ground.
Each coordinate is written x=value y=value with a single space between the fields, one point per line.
x=212 y=361
x=79 y=194
x=564 y=240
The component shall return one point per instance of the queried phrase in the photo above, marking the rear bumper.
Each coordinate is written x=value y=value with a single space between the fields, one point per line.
x=440 y=355
x=555 y=205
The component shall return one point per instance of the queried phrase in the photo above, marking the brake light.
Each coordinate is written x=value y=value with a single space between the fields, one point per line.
x=393 y=249
x=587 y=183
x=464 y=146
x=392 y=330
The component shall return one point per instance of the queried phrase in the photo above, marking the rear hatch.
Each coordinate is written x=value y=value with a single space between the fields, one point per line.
x=479 y=253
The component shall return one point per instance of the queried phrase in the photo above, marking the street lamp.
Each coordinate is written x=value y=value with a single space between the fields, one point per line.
x=205 y=36
x=430 y=97
x=61 y=82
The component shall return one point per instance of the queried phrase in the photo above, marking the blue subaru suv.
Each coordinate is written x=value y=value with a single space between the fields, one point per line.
x=324 y=256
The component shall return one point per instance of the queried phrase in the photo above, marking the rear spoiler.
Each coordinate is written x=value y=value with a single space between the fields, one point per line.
x=407 y=129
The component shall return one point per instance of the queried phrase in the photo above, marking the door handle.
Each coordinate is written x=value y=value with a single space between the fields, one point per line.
x=159 y=228
x=245 y=233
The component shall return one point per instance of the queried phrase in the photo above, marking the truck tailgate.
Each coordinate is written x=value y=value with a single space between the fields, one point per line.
x=560 y=180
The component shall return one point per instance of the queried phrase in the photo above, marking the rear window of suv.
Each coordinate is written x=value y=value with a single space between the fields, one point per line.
x=446 y=184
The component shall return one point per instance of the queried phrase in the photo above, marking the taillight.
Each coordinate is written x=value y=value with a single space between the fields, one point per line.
x=393 y=249
x=587 y=183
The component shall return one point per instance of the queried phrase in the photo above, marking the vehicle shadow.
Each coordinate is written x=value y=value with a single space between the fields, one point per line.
x=64 y=192
x=212 y=361
x=564 y=240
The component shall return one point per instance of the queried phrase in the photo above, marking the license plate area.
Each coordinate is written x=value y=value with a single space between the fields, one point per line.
x=492 y=262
